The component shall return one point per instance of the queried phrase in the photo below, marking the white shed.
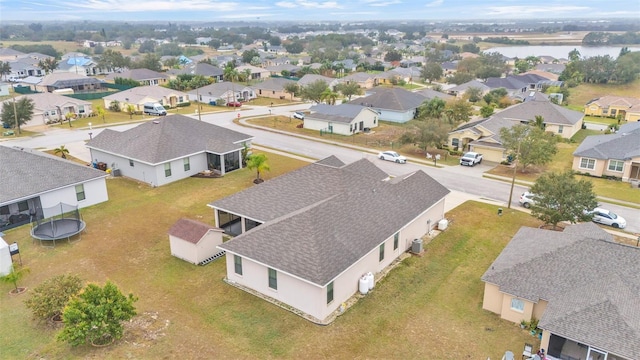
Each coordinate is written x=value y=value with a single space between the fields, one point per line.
x=5 y=258
x=194 y=241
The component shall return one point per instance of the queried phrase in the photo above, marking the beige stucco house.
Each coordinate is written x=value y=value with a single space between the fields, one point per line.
x=616 y=155
x=481 y=136
x=612 y=106
x=579 y=283
x=304 y=239
x=274 y=88
x=140 y=95
x=194 y=241
x=343 y=119
x=50 y=108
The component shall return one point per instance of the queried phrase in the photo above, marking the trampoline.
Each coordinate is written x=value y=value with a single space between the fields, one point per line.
x=62 y=221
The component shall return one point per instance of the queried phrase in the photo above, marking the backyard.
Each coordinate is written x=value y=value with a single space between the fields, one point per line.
x=428 y=306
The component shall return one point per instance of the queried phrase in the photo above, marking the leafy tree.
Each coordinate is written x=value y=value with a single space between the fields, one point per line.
x=115 y=106
x=95 y=316
x=431 y=71
x=329 y=96
x=248 y=55
x=560 y=197
x=259 y=163
x=100 y=112
x=23 y=112
x=574 y=55
x=247 y=75
x=173 y=63
x=627 y=67
x=474 y=94
x=458 y=111
x=486 y=111
x=538 y=121
x=112 y=60
x=460 y=78
x=50 y=297
x=314 y=91
x=126 y=81
x=148 y=46
x=48 y=65
x=131 y=110
x=471 y=47
x=431 y=132
x=149 y=61
x=14 y=276
x=98 y=49
x=5 y=69
x=349 y=89
x=295 y=47
x=392 y=55
x=292 y=88
x=529 y=144
x=494 y=96
x=62 y=150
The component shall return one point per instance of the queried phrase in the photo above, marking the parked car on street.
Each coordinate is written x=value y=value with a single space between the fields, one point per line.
x=234 y=104
x=392 y=156
x=298 y=115
x=606 y=217
x=471 y=159
x=527 y=199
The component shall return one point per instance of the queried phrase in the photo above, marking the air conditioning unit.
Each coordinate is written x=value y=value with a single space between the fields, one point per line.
x=443 y=224
x=416 y=246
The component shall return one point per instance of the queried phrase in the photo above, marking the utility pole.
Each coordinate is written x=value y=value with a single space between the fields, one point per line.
x=15 y=112
x=198 y=104
x=513 y=178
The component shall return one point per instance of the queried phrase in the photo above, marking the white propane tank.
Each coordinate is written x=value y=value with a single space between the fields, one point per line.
x=443 y=224
x=371 y=280
x=363 y=285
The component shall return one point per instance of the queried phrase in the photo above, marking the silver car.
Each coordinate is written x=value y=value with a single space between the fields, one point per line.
x=606 y=217
x=392 y=156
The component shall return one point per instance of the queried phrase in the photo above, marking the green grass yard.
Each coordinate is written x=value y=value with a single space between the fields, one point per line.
x=428 y=306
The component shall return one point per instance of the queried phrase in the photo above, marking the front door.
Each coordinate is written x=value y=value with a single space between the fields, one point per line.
x=361 y=125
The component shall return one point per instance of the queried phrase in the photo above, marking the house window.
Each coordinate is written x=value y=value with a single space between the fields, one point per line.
x=396 y=240
x=130 y=162
x=350 y=127
x=517 y=305
x=586 y=163
x=613 y=112
x=23 y=206
x=455 y=142
x=237 y=261
x=560 y=129
x=330 y=293
x=167 y=169
x=616 y=165
x=180 y=99
x=273 y=279
x=374 y=120
x=187 y=165
x=4 y=210
x=80 y=192
x=381 y=256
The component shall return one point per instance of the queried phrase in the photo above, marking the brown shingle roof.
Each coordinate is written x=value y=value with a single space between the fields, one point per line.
x=190 y=230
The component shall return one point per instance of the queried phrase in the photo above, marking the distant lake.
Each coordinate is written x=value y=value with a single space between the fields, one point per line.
x=558 y=51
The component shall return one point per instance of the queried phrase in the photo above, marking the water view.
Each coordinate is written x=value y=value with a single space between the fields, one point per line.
x=559 y=51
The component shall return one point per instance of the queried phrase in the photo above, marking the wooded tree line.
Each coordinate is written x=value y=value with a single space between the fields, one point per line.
x=602 y=69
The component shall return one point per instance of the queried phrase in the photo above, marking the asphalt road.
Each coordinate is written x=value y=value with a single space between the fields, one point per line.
x=463 y=179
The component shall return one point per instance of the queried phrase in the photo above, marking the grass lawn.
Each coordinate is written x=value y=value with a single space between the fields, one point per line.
x=581 y=94
x=428 y=306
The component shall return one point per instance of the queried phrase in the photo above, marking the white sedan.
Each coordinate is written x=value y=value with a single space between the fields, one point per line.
x=606 y=217
x=298 y=115
x=392 y=156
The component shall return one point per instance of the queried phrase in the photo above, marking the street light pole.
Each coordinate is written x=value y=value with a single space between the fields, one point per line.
x=513 y=178
x=15 y=113
x=198 y=104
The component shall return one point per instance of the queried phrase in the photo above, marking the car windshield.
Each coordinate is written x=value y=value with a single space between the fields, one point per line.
x=612 y=215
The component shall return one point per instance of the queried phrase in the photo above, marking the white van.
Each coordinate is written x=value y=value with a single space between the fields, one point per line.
x=154 y=109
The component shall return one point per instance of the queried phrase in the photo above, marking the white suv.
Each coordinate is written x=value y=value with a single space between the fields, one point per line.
x=527 y=199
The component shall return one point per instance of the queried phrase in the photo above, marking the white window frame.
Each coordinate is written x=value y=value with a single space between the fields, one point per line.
x=517 y=305
x=80 y=193
x=560 y=129
x=588 y=160
x=616 y=162
x=167 y=170
x=187 y=164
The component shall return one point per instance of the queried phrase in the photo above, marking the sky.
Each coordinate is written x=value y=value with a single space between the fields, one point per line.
x=309 y=10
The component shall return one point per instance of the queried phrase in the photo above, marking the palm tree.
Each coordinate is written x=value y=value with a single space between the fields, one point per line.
x=329 y=96
x=247 y=75
x=258 y=162
x=13 y=277
x=5 y=69
x=230 y=74
x=539 y=122
x=100 y=111
x=131 y=110
x=62 y=150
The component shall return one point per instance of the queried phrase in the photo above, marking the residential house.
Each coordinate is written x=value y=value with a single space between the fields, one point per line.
x=552 y=68
x=256 y=72
x=194 y=241
x=25 y=66
x=4 y=88
x=304 y=239
x=311 y=78
x=393 y=104
x=616 y=155
x=460 y=90
x=449 y=67
x=143 y=76
x=628 y=108
x=223 y=93
x=430 y=94
x=202 y=69
x=51 y=108
x=515 y=87
x=9 y=54
x=32 y=180
x=364 y=80
x=169 y=149
x=138 y=96
x=277 y=70
x=481 y=136
x=80 y=65
x=586 y=309
x=274 y=88
x=557 y=119
x=79 y=83
x=343 y=119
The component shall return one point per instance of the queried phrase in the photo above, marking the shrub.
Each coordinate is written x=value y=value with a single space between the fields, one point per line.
x=50 y=297
x=95 y=316
x=115 y=106
x=185 y=104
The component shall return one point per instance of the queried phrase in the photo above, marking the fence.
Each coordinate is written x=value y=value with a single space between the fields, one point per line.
x=24 y=90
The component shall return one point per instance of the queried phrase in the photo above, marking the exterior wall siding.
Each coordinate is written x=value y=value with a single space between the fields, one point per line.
x=513 y=315
x=492 y=299
x=395 y=116
x=95 y=192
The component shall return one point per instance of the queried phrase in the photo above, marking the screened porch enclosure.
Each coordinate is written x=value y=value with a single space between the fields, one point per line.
x=224 y=163
x=565 y=349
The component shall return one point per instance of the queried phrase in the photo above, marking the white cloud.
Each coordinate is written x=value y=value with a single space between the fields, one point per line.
x=527 y=11
x=435 y=3
x=153 y=5
x=309 y=4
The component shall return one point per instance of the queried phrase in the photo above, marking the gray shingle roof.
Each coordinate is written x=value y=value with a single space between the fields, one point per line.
x=276 y=84
x=552 y=113
x=391 y=99
x=341 y=215
x=623 y=145
x=343 y=113
x=591 y=284
x=27 y=173
x=169 y=137
x=138 y=75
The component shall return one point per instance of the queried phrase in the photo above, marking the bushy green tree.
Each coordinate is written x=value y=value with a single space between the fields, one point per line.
x=349 y=89
x=259 y=163
x=95 y=316
x=529 y=144
x=432 y=108
x=49 y=298
x=314 y=91
x=14 y=276
x=431 y=71
x=23 y=112
x=560 y=197
x=486 y=111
